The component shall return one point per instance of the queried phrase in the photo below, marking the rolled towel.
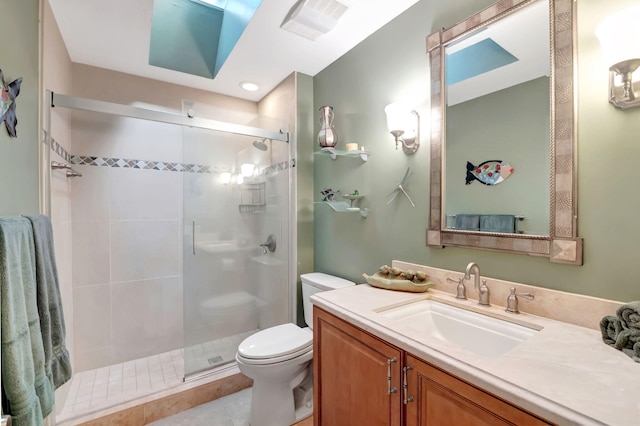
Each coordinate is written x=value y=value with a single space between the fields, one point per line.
x=610 y=327
x=627 y=338
x=630 y=315
x=633 y=353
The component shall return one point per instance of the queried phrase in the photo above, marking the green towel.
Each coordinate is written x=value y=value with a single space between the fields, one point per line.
x=56 y=357
x=623 y=331
x=27 y=392
x=610 y=327
x=630 y=315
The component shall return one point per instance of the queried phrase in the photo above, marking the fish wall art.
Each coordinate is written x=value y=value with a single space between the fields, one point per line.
x=490 y=172
x=8 y=94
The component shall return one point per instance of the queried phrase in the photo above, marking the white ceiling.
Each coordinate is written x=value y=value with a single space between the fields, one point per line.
x=115 y=34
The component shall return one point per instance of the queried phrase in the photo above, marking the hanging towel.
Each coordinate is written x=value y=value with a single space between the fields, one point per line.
x=27 y=392
x=56 y=357
x=497 y=223
x=468 y=222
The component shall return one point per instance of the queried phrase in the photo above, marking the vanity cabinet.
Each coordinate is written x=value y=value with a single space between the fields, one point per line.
x=440 y=398
x=356 y=375
x=359 y=380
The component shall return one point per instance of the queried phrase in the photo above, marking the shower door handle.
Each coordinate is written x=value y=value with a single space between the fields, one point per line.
x=193 y=236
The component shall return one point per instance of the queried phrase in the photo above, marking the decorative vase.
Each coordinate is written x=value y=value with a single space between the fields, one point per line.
x=327 y=136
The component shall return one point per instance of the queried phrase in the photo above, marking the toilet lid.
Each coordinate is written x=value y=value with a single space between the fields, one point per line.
x=276 y=341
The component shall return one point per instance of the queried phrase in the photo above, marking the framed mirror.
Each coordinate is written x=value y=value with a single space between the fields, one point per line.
x=503 y=144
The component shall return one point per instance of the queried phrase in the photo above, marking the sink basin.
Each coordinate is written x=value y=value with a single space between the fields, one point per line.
x=478 y=333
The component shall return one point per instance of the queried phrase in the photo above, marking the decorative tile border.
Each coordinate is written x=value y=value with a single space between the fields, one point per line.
x=139 y=164
x=59 y=149
x=84 y=160
x=166 y=166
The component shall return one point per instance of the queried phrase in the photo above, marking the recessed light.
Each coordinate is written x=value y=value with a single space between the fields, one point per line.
x=250 y=86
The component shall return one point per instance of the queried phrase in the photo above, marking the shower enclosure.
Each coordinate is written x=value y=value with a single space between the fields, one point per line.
x=170 y=223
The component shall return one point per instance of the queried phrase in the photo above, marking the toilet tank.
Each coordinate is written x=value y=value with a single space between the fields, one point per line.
x=313 y=283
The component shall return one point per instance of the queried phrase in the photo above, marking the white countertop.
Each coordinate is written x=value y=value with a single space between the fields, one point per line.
x=564 y=373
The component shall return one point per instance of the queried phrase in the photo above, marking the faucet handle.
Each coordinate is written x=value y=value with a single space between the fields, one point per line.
x=512 y=300
x=461 y=291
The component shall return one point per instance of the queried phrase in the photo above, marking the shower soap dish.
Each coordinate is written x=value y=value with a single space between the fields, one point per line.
x=395 y=279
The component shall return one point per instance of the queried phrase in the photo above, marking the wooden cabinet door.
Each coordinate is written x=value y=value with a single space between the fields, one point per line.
x=442 y=399
x=353 y=372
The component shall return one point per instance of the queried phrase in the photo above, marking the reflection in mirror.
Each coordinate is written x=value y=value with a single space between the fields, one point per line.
x=502 y=117
x=497 y=108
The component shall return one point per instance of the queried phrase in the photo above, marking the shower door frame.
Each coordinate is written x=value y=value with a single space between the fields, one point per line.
x=54 y=100
x=84 y=104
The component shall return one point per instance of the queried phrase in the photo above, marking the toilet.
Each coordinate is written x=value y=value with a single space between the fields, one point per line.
x=279 y=360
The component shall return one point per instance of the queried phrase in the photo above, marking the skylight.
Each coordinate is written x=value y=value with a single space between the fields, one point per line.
x=197 y=36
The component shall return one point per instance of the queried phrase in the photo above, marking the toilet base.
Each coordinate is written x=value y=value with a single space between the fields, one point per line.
x=282 y=402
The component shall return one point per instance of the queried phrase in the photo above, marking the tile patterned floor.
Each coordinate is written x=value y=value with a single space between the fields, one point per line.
x=109 y=386
x=231 y=410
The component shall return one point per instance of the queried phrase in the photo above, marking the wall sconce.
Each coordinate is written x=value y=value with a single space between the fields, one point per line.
x=225 y=178
x=404 y=125
x=619 y=37
x=247 y=169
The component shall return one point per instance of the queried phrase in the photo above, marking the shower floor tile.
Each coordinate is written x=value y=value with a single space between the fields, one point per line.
x=94 y=390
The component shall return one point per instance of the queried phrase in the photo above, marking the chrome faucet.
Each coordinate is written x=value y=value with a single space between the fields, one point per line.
x=483 y=290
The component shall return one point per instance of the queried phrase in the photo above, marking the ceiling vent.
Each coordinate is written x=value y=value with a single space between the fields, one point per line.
x=313 y=18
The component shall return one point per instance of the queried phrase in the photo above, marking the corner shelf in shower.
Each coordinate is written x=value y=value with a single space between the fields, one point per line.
x=335 y=153
x=345 y=207
x=252 y=197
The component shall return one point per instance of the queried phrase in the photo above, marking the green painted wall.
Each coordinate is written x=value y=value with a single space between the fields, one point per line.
x=392 y=65
x=304 y=182
x=19 y=57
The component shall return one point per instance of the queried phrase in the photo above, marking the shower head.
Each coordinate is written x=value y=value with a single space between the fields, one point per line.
x=260 y=144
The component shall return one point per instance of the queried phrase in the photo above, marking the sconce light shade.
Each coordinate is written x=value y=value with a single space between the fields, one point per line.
x=225 y=177
x=404 y=124
x=247 y=169
x=619 y=37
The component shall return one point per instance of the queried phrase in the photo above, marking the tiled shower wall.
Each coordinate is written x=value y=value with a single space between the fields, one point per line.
x=127 y=287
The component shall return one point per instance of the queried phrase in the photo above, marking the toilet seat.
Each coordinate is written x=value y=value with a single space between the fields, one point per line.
x=276 y=344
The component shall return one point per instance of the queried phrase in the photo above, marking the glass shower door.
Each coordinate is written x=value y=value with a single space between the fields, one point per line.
x=235 y=196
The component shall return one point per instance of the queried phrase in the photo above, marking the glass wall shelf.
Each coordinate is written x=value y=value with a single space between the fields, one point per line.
x=335 y=153
x=345 y=207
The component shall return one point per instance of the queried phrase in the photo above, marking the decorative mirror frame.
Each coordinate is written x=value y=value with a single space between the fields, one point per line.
x=562 y=245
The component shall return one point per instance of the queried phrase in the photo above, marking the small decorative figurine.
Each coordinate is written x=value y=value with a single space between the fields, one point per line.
x=328 y=194
x=396 y=279
x=8 y=95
